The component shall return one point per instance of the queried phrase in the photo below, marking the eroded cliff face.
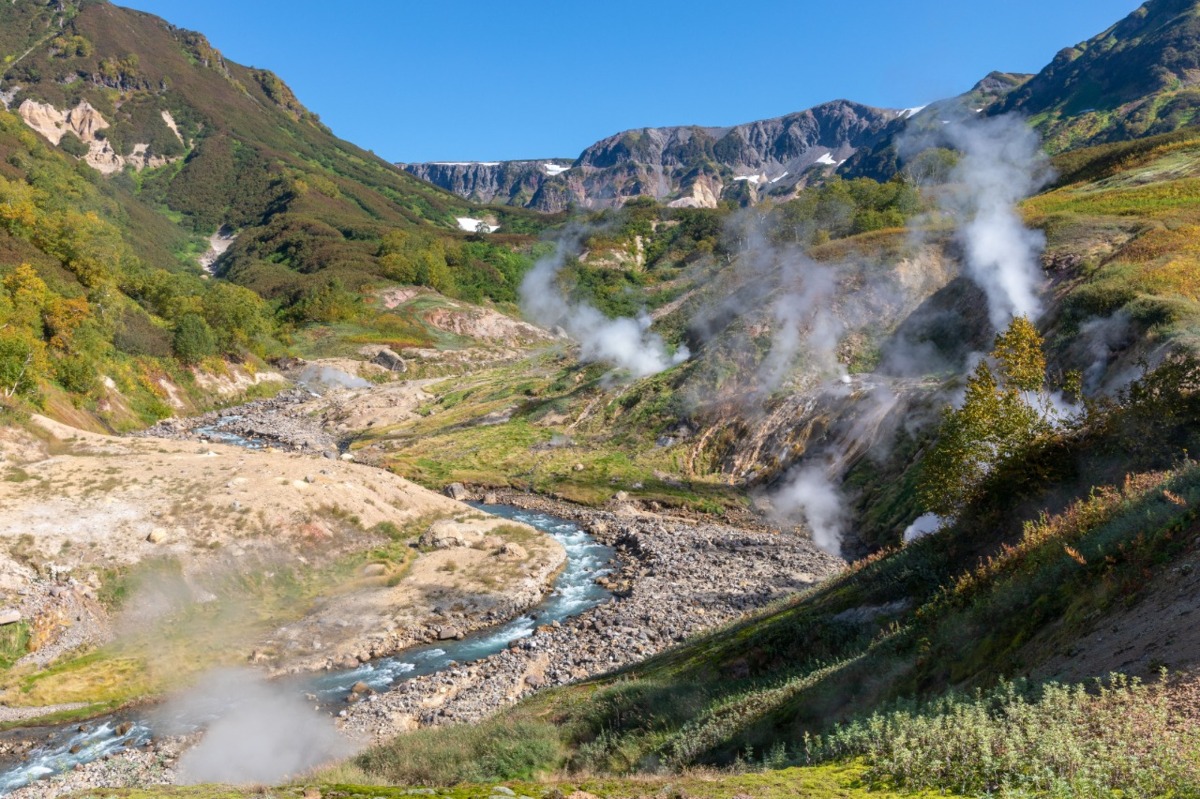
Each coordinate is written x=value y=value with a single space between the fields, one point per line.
x=506 y=182
x=87 y=124
x=688 y=166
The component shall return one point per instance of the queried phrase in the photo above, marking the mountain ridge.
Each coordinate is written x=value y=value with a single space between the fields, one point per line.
x=681 y=165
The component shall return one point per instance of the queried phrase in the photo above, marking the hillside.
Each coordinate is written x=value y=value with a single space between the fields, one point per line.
x=214 y=145
x=1138 y=78
x=688 y=166
x=1084 y=538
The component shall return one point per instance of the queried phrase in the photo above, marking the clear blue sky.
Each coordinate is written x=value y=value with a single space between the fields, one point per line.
x=504 y=79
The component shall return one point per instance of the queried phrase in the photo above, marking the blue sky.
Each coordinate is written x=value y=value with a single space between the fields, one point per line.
x=506 y=79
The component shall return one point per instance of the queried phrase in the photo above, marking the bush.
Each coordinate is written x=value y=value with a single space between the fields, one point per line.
x=1057 y=740
x=491 y=751
x=76 y=374
x=137 y=335
x=194 y=339
x=72 y=145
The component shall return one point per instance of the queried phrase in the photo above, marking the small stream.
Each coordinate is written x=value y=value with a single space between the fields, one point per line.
x=575 y=591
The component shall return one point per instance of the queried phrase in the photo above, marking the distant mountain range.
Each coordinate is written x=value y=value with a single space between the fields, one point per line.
x=683 y=166
x=1135 y=79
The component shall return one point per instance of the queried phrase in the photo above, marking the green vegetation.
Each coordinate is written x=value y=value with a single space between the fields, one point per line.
x=1000 y=419
x=1121 y=739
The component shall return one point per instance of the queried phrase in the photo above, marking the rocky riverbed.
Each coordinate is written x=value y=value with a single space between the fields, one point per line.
x=282 y=422
x=674 y=579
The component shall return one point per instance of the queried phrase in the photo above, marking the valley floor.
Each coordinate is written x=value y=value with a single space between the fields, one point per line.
x=674 y=578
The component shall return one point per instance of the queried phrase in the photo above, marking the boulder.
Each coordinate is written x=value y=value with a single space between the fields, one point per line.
x=157 y=535
x=385 y=357
x=457 y=492
x=449 y=633
x=442 y=534
x=9 y=616
x=514 y=551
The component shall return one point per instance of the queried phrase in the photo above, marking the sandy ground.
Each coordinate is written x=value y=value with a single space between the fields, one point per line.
x=77 y=508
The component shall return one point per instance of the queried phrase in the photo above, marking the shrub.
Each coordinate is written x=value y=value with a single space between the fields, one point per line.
x=495 y=750
x=194 y=339
x=1056 y=740
x=76 y=373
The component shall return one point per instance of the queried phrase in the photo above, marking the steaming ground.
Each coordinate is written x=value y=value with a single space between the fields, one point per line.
x=224 y=554
x=626 y=343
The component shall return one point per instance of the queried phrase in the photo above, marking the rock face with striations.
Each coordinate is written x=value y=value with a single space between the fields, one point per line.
x=688 y=166
x=506 y=182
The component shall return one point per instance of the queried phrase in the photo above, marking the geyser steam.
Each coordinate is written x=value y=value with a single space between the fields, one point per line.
x=625 y=343
x=257 y=732
x=810 y=495
x=1002 y=163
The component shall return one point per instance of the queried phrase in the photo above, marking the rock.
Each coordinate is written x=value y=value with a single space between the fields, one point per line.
x=457 y=492
x=514 y=551
x=123 y=728
x=534 y=681
x=157 y=535
x=449 y=633
x=491 y=498
x=9 y=616
x=374 y=570
x=500 y=790
x=621 y=496
x=312 y=793
x=578 y=467
x=361 y=687
x=385 y=357
x=76 y=749
x=346 y=456
x=442 y=534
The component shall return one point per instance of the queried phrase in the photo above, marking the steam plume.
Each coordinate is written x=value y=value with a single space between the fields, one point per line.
x=1002 y=163
x=258 y=732
x=626 y=343
x=810 y=495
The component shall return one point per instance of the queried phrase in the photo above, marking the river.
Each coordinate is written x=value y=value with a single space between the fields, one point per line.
x=575 y=591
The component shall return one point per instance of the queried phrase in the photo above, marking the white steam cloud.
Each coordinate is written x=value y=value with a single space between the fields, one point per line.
x=927 y=524
x=810 y=495
x=1002 y=163
x=257 y=732
x=625 y=343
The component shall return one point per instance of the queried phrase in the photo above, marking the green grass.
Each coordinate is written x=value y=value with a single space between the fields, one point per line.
x=840 y=781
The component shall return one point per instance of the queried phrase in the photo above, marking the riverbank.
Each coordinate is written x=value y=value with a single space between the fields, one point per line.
x=674 y=579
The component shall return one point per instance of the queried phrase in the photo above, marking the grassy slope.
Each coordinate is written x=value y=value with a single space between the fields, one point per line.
x=1004 y=589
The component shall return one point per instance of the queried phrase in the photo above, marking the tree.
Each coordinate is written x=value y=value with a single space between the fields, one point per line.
x=1002 y=414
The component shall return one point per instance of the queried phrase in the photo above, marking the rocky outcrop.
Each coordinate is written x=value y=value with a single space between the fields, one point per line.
x=688 y=166
x=506 y=182
x=86 y=123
